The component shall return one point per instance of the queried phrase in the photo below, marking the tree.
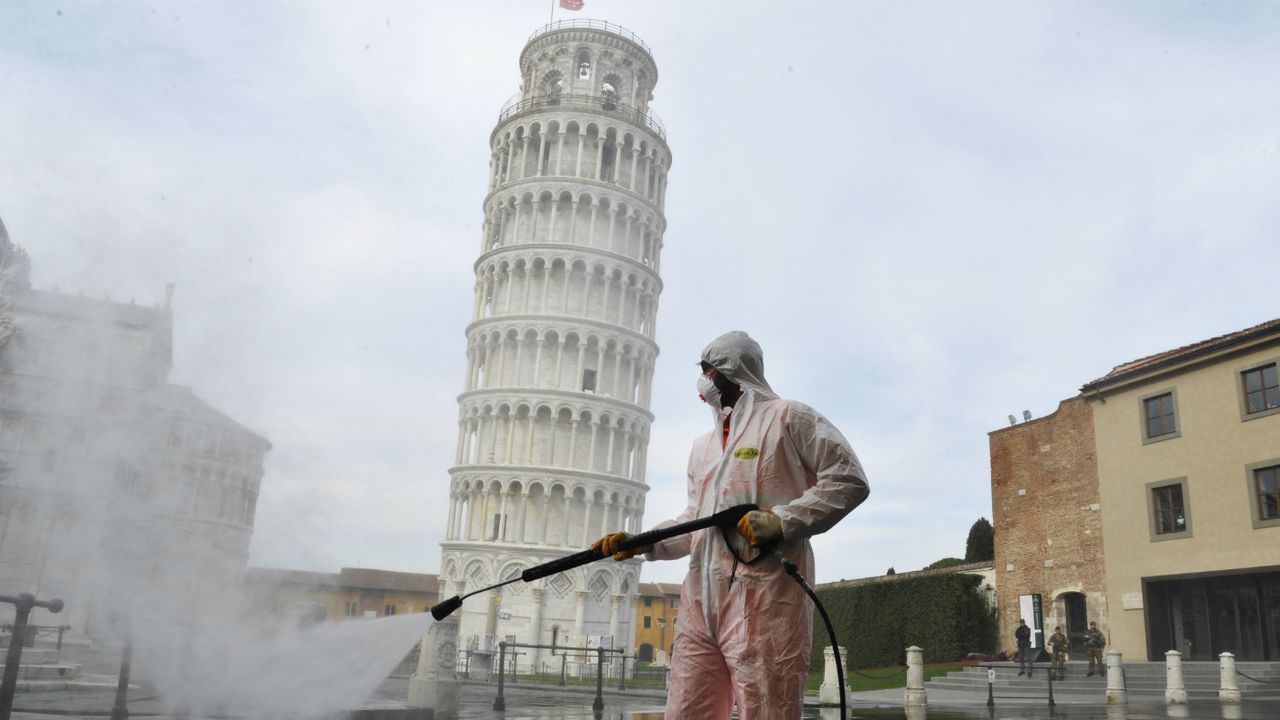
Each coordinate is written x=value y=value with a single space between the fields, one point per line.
x=944 y=562
x=981 y=544
x=890 y=571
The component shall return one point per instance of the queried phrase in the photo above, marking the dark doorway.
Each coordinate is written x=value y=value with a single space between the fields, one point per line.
x=646 y=653
x=1077 y=619
x=1205 y=616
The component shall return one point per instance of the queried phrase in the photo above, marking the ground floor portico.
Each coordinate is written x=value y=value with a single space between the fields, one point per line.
x=1205 y=615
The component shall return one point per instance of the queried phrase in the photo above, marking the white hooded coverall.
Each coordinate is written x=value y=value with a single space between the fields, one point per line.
x=745 y=631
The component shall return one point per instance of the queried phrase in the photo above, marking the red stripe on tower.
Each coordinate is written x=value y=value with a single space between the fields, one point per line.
x=572 y=4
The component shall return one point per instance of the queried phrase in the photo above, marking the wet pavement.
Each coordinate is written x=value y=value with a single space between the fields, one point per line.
x=553 y=703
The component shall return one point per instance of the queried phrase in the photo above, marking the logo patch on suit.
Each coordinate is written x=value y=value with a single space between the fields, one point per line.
x=747 y=453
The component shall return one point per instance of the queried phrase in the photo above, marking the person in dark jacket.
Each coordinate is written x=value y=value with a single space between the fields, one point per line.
x=1023 y=636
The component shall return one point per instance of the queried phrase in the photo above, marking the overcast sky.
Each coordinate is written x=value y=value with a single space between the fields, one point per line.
x=931 y=215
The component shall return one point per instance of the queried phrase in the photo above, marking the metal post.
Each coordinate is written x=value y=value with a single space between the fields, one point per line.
x=1051 y=703
x=120 y=711
x=499 y=702
x=9 y=685
x=564 y=661
x=622 y=678
x=991 y=686
x=22 y=603
x=598 y=704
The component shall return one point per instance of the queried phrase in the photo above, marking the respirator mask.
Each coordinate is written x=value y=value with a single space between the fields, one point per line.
x=710 y=393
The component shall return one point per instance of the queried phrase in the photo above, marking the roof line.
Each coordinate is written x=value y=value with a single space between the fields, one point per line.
x=1180 y=358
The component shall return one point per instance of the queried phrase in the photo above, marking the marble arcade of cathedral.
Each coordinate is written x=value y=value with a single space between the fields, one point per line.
x=554 y=418
x=116 y=486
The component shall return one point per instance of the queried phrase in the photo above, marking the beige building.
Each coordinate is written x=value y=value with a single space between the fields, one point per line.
x=656 y=615
x=304 y=596
x=1188 y=463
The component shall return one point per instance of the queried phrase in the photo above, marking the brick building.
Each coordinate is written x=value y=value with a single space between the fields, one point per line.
x=1046 y=512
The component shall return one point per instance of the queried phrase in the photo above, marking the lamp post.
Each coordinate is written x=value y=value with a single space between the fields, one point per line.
x=23 y=604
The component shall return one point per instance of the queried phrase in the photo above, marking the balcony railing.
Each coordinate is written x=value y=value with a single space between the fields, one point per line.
x=584 y=102
x=590 y=25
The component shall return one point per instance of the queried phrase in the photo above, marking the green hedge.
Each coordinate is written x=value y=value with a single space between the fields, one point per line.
x=943 y=614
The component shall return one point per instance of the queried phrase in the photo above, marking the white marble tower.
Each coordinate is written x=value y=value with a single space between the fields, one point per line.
x=554 y=419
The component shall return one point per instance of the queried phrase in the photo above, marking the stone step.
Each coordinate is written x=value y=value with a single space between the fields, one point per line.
x=52 y=671
x=1202 y=686
x=1255 y=693
x=39 y=656
x=1084 y=681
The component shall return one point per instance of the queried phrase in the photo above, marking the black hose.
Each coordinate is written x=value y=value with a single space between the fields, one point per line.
x=794 y=572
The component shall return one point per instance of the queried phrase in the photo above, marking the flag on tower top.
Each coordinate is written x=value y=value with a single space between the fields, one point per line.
x=572 y=4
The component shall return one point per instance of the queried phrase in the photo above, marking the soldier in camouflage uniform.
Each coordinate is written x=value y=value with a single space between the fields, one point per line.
x=1059 y=644
x=1096 y=642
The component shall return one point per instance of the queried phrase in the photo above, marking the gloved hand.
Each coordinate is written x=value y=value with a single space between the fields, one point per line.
x=608 y=545
x=760 y=527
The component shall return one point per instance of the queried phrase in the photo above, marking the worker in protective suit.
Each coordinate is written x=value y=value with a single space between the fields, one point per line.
x=745 y=628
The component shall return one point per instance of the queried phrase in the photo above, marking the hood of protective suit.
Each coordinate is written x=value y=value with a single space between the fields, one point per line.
x=740 y=359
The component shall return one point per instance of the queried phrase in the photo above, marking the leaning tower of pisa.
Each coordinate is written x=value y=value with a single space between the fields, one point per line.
x=554 y=419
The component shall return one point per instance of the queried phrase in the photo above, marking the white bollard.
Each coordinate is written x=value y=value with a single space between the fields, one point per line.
x=1116 y=693
x=916 y=696
x=435 y=684
x=1230 y=691
x=1175 y=692
x=829 y=693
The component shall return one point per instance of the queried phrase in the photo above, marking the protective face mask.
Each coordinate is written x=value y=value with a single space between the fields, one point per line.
x=709 y=392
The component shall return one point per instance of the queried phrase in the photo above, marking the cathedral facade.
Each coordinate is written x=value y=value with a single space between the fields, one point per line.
x=115 y=485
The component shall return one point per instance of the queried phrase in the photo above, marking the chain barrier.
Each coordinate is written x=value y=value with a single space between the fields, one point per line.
x=1257 y=680
x=859 y=673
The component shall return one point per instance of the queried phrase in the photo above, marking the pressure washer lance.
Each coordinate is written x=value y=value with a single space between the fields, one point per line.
x=724 y=518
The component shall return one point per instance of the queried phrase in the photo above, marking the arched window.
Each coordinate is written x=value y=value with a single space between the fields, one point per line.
x=552 y=85
x=609 y=91
x=584 y=64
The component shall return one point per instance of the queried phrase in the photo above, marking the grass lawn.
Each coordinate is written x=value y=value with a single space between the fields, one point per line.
x=898 y=679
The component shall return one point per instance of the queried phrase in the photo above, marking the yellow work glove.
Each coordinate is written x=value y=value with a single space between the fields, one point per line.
x=760 y=527
x=608 y=545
